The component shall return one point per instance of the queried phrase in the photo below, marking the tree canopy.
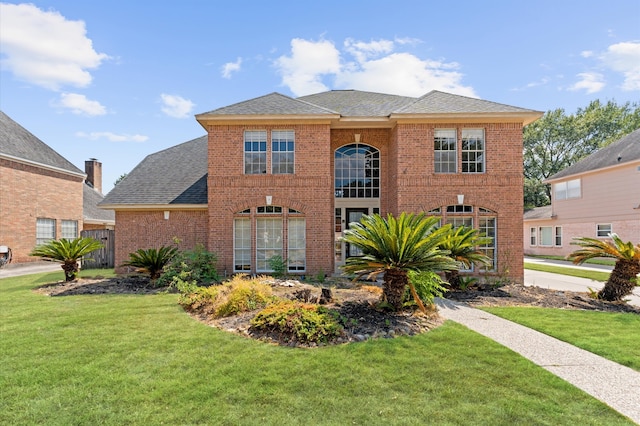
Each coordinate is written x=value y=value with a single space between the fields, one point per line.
x=557 y=140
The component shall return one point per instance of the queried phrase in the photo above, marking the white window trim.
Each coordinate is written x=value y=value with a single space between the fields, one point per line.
x=610 y=231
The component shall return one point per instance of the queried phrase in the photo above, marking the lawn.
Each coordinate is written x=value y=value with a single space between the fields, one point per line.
x=130 y=359
x=614 y=336
x=567 y=270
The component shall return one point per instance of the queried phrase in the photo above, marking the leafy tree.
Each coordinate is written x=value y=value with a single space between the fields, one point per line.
x=395 y=246
x=462 y=244
x=151 y=260
x=623 y=277
x=558 y=140
x=68 y=252
x=120 y=179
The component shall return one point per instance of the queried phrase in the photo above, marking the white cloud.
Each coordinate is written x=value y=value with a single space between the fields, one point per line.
x=79 y=104
x=591 y=82
x=375 y=66
x=231 y=67
x=302 y=71
x=112 y=137
x=586 y=53
x=46 y=49
x=625 y=58
x=176 y=106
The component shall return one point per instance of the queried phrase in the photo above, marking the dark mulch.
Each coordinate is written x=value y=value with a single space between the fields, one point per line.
x=356 y=304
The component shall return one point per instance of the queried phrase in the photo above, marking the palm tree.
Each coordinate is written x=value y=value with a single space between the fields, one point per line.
x=394 y=246
x=151 y=261
x=68 y=252
x=623 y=277
x=463 y=243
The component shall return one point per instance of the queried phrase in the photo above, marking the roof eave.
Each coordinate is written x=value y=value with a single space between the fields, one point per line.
x=586 y=172
x=139 y=207
x=224 y=119
x=42 y=166
x=525 y=118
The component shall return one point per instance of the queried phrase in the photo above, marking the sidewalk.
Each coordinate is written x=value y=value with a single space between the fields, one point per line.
x=615 y=385
x=17 y=269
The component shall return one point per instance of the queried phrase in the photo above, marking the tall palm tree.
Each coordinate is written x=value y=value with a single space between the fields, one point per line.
x=623 y=277
x=68 y=252
x=394 y=246
x=463 y=243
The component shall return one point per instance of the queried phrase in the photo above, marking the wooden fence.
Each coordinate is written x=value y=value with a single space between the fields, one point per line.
x=105 y=257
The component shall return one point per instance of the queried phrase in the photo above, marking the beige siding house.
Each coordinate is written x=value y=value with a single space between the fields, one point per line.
x=594 y=197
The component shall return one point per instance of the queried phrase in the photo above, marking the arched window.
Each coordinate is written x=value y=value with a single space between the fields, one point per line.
x=357 y=171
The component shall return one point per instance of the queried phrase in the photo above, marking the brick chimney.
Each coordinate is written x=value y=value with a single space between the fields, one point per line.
x=93 y=169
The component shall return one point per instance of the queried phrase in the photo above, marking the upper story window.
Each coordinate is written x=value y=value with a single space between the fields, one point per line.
x=472 y=151
x=567 y=190
x=255 y=152
x=445 y=152
x=282 y=151
x=357 y=171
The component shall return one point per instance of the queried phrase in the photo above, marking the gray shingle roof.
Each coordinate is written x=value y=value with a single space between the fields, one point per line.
x=436 y=102
x=356 y=103
x=543 y=212
x=177 y=175
x=18 y=142
x=623 y=151
x=271 y=104
x=90 y=211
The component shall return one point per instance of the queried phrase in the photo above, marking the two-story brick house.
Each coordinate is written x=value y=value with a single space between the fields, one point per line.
x=594 y=197
x=282 y=176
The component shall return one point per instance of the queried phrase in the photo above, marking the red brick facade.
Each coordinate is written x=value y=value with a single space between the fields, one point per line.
x=27 y=193
x=408 y=183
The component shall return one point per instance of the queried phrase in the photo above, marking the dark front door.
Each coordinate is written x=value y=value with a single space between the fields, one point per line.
x=354 y=215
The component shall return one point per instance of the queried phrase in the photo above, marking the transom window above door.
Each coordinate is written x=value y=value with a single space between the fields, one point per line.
x=357 y=171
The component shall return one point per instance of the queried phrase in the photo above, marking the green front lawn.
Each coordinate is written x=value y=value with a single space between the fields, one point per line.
x=567 y=270
x=614 y=336
x=130 y=359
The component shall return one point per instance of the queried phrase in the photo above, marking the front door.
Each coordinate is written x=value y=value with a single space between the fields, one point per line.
x=354 y=215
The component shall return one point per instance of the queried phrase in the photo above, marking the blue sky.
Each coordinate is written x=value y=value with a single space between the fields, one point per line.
x=118 y=80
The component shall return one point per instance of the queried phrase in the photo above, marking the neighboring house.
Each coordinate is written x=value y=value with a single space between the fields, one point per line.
x=594 y=197
x=93 y=216
x=282 y=176
x=40 y=192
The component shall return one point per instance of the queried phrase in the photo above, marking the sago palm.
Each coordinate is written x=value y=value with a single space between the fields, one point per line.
x=623 y=277
x=463 y=243
x=68 y=252
x=151 y=261
x=395 y=246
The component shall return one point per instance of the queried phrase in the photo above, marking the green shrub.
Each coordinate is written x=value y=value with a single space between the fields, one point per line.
x=152 y=260
x=299 y=321
x=428 y=286
x=240 y=295
x=222 y=300
x=278 y=265
x=197 y=265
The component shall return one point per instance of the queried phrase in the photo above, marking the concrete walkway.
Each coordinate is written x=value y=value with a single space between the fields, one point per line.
x=615 y=385
x=17 y=269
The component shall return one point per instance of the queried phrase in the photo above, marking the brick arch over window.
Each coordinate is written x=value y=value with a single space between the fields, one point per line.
x=261 y=201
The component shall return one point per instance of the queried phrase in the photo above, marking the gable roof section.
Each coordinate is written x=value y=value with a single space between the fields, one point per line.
x=18 y=144
x=437 y=104
x=90 y=211
x=174 y=176
x=271 y=104
x=623 y=151
x=356 y=103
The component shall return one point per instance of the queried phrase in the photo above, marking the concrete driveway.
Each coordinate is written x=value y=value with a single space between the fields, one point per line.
x=568 y=283
x=17 y=269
